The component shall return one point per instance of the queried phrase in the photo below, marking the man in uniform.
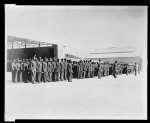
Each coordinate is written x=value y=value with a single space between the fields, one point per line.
x=135 y=69
x=61 y=70
x=106 y=69
x=22 y=70
x=54 y=69
x=18 y=70
x=42 y=76
x=25 y=71
x=88 y=69
x=126 y=67
x=45 y=70
x=121 y=68
x=86 y=72
x=70 y=71
x=65 y=69
x=39 y=70
x=57 y=70
x=91 y=69
x=50 y=69
x=99 y=69
x=28 y=64
x=81 y=69
x=47 y=76
x=36 y=60
x=84 y=69
x=33 y=71
x=14 y=71
x=78 y=70
x=115 y=69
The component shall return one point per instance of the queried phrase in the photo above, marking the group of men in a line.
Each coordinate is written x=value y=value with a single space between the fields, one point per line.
x=37 y=70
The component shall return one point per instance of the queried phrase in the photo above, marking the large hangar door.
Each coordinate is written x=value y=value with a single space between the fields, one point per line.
x=29 y=52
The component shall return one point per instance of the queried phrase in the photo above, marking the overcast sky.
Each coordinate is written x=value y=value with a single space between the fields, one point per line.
x=80 y=29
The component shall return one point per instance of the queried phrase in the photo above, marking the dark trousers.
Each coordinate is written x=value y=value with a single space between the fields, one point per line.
x=65 y=75
x=42 y=76
x=88 y=73
x=81 y=76
x=92 y=73
x=45 y=76
x=135 y=73
x=99 y=74
x=57 y=76
x=127 y=71
x=62 y=75
x=69 y=77
x=29 y=76
x=39 y=74
x=25 y=75
x=115 y=74
x=84 y=73
x=50 y=76
x=78 y=75
x=33 y=75
x=18 y=75
x=14 y=75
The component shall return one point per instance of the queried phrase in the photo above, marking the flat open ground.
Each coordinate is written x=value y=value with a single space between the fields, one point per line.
x=106 y=98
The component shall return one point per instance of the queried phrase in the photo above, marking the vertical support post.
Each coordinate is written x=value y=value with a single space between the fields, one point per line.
x=39 y=43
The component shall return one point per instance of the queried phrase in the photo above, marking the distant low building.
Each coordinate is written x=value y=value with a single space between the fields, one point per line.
x=72 y=57
x=123 y=55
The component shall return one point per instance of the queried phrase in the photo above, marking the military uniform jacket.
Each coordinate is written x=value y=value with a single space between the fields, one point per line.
x=136 y=67
x=50 y=67
x=115 y=66
x=105 y=67
x=78 y=68
x=69 y=68
x=91 y=67
x=18 y=66
x=25 y=65
x=39 y=66
x=62 y=66
x=99 y=66
x=54 y=66
x=44 y=66
x=88 y=66
x=57 y=67
x=84 y=66
x=33 y=66
x=65 y=66
x=22 y=66
x=28 y=65
x=13 y=66
x=81 y=66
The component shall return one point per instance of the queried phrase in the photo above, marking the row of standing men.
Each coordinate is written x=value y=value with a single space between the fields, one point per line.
x=38 y=70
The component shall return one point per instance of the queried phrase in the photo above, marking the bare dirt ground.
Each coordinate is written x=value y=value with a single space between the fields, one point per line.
x=105 y=98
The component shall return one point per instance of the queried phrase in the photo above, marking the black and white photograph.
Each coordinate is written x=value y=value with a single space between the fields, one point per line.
x=75 y=62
